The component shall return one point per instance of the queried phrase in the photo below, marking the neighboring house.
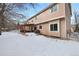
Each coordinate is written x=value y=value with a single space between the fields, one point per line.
x=52 y=21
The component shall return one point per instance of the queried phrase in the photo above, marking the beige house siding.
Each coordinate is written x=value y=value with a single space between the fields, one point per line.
x=48 y=15
x=46 y=28
x=27 y=28
x=67 y=18
x=63 y=28
x=61 y=17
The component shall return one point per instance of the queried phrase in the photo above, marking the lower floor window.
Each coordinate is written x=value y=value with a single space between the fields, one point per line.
x=35 y=28
x=53 y=27
x=40 y=27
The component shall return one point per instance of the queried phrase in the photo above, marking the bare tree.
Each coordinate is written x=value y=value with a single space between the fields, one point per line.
x=76 y=20
x=8 y=10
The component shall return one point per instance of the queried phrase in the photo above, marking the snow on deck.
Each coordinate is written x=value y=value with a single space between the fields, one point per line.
x=16 y=44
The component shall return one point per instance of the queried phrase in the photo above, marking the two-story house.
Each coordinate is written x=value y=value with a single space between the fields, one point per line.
x=54 y=20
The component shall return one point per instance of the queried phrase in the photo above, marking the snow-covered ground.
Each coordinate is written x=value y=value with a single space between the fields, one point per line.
x=15 y=44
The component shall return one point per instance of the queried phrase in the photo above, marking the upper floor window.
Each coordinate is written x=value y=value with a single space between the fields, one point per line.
x=54 y=8
x=36 y=18
x=32 y=20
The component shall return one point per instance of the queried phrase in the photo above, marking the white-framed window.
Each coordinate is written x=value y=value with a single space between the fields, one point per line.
x=54 y=8
x=54 y=27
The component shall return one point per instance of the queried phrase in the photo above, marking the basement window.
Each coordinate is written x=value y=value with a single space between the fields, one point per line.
x=53 y=27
